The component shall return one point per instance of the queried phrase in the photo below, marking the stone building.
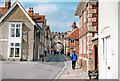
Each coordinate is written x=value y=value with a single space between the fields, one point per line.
x=48 y=38
x=88 y=16
x=72 y=40
x=21 y=33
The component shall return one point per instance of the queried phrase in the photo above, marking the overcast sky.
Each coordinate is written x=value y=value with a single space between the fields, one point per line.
x=59 y=15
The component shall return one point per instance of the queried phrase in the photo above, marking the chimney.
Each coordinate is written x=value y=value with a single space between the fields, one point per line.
x=7 y=4
x=31 y=12
x=73 y=26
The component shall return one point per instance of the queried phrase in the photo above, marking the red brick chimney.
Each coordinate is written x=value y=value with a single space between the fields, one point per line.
x=73 y=26
x=7 y=4
x=31 y=12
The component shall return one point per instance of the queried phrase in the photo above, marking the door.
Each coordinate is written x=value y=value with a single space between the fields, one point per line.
x=108 y=58
x=96 y=57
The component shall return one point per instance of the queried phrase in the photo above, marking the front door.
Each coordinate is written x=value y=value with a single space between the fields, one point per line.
x=108 y=58
x=96 y=57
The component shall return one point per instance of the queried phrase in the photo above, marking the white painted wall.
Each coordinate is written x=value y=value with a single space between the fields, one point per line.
x=108 y=17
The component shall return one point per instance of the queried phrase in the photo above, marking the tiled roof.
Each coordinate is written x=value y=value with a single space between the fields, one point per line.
x=3 y=10
x=74 y=34
x=38 y=18
x=67 y=32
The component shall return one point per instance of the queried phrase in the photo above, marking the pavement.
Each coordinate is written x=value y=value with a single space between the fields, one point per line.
x=69 y=73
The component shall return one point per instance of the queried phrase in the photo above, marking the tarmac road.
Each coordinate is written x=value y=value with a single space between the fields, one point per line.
x=33 y=70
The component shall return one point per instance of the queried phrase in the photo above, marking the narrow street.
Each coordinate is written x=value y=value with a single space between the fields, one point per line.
x=33 y=70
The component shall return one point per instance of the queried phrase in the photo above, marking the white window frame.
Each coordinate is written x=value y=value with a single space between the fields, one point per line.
x=84 y=45
x=14 y=39
x=15 y=23
x=85 y=16
x=81 y=22
x=81 y=46
x=14 y=47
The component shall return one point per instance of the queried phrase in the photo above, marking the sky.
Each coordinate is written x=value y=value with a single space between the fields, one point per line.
x=59 y=15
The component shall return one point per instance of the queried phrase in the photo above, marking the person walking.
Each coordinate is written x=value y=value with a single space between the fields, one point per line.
x=45 y=52
x=74 y=59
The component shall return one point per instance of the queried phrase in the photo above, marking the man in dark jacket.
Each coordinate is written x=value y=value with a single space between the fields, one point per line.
x=74 y=59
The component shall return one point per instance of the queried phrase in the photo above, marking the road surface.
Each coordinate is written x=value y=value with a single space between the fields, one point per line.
x=33 y=70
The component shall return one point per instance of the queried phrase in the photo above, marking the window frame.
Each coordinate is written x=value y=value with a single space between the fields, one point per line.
x=85 y=45
x=14 y=39
x=15 y=28
x=85 y=16
x=72 y=41
x=14 y=47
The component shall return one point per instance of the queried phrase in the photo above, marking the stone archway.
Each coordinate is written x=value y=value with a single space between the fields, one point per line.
x=58 y=37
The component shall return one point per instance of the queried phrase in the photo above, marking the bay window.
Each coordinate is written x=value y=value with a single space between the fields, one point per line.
x=15 y=39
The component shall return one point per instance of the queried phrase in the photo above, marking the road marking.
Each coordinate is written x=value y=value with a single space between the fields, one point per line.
x=61 y=72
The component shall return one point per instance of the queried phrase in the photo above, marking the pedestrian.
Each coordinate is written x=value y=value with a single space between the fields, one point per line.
x=74 y=59
x=45 y=53
x=48 y=51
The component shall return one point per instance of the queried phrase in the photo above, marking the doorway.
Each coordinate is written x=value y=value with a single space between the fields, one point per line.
x=96 y=57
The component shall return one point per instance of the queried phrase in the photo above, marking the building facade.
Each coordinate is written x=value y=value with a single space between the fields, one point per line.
x=88 y=16
x=21 y=36
x=108 y=39
x=72 y=40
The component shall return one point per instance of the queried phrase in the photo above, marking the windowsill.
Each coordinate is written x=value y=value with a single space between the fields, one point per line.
x=14 y=57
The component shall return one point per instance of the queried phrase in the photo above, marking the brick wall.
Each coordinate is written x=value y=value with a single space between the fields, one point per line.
x=87 y=30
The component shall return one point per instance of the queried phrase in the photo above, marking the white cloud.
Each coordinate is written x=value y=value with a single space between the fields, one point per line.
x=60 y=26
x=58 y=17
x=46 y=9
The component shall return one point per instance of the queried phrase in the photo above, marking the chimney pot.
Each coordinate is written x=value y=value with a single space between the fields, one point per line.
x=7 y=4
x=31 y=12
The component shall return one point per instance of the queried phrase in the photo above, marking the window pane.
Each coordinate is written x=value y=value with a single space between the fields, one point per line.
x=17 y=32
x=17 y=25
x=12 y=32
x=11 y=52
x=12 y=44
x=12 y=25
x=17 y=52
x=17 y=44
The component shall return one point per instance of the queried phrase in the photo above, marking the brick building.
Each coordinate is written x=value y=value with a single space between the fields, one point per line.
x=72 y=40
x=22 y=33
x=88 y=16
x=3 y=10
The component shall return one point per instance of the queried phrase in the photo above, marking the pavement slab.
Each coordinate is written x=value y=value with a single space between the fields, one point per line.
x=69 y=73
